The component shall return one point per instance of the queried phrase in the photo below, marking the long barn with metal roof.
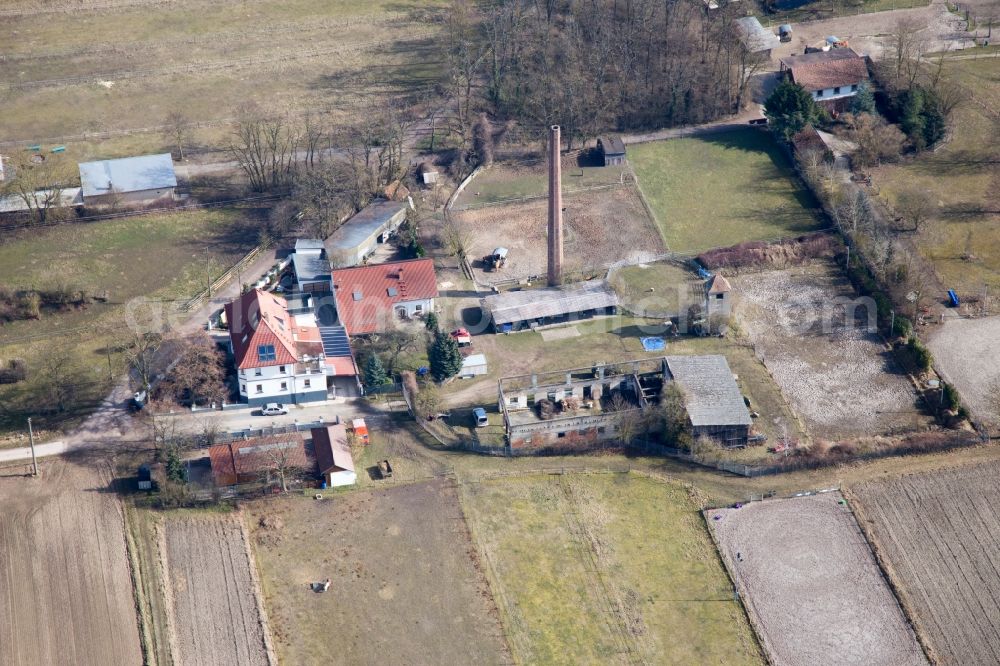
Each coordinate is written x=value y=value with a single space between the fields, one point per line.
x=530 y=308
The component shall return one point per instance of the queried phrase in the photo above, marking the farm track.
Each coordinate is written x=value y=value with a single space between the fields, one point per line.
x=938 y=533
x=65 y=589
x=113 y=6
x=215 y=614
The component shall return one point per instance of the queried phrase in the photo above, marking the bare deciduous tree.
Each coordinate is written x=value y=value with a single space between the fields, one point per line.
x=178 y=129
x=265 y=148
x=915 y=206
x=38 y=183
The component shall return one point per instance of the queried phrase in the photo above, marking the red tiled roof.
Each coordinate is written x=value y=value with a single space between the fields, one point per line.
x=366 y=294
x=827 y=69
x=243 y=461
x=259 y=318
x=342 y=365
x=718 y=284
x=332 y=451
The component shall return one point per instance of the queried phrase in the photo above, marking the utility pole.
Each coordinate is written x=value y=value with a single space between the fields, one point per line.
x=892 y=323
x=31 y=439
x=111 y=376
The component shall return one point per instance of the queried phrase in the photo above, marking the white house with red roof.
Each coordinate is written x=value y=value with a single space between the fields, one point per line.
x=282 y=357
x=371 y=299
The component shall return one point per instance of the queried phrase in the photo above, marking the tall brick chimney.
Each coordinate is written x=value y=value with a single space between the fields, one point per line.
x=555 y=210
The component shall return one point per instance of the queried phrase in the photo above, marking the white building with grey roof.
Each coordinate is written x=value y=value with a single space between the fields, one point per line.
x=128 y=181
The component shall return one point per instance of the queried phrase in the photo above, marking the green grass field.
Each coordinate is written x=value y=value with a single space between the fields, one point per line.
x=962 y=239
x=722 y=189
x=576 y=584
x=162 y=256
x=511 y=182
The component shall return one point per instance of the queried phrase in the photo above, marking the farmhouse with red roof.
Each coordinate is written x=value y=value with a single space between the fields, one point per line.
x=371 y=299
x=831 y=77
x=283 y=357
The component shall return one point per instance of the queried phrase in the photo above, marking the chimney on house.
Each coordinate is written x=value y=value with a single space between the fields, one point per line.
x=555 y=210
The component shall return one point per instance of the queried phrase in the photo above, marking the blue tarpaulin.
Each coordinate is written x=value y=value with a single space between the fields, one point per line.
x=653 y=344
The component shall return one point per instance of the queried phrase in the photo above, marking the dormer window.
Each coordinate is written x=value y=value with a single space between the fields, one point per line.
x=266 y=353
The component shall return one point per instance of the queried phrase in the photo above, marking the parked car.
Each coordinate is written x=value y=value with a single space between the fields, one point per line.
x=273 y=409
x=479 y=416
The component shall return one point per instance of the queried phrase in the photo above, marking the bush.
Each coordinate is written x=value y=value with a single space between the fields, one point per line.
x=917 y=356
x=951 y=400
x=902 y=327
x=546 y=409
x=15 y=371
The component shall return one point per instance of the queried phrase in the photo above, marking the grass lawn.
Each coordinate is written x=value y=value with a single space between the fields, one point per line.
x=574 y=584
x=722 y=189
x=506 y=181
x=164 y=256
x=963 y=179
x=662 y=287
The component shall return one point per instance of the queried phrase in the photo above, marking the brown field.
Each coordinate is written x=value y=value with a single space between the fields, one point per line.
x=936 y=534
x=65 y=589
x=211 y=590
x=406 y=587
x=812 y=587
x=839 y=377
x=117 y=69
x=601 y=227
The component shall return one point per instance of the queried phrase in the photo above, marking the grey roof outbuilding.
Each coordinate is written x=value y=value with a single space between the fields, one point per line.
x=711 y=395
x=755 y=37
x=129 y=174
x=530 y=304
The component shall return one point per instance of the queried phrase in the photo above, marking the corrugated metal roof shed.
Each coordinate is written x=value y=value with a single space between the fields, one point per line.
x=129 y=174
x=517 y=306
x=359 y=228
x=712 y=397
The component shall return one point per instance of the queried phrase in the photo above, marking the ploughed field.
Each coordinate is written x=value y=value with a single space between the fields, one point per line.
x=811 y=584
x=65 y=590
x=937 y=536
x=215 y=615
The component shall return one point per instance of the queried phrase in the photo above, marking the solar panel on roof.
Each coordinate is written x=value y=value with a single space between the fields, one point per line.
x=391 y=291
x=335 y=342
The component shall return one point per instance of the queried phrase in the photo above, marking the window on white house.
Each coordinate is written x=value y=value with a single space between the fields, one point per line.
x=281 y=369
x=307 y=383
x=836 y=91
x=854 y=88
x=260 y=388
x=257 y=372
x=561 y=434
x=819 y=93
x=601 y=430
x=513 y=400
x=243 y=388
x=284 y=386
x=418 y=308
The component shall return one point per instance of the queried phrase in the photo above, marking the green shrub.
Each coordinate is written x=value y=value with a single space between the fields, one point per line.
x=917 y=355
x=902 y=327
x=951 y=399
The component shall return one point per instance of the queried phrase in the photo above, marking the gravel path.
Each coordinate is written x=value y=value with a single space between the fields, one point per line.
x=811 y=584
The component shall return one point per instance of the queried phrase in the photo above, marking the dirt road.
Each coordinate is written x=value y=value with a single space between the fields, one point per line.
x=65 y=589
